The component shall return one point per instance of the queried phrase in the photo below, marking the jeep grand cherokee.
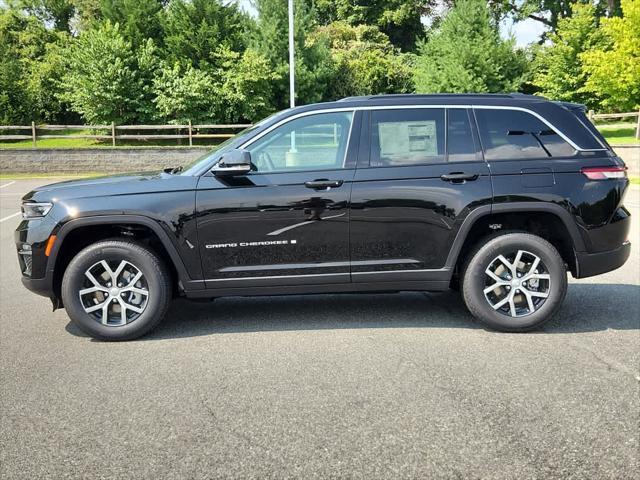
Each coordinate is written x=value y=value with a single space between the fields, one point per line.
x=496 y=195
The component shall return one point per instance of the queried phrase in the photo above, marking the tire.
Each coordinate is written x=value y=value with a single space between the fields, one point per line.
x=131 y=311
x=485 y=295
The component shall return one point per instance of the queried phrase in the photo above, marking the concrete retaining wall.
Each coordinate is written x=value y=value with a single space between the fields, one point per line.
x=116 y=160
x=101 y=160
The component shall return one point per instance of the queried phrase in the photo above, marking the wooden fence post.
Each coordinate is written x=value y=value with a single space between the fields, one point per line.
x=113 y=134
x=33 y=133
x=190 y=135
x=590 y=116
x=638 y=126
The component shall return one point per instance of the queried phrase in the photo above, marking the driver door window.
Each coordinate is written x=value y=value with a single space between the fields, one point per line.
x=313 y=142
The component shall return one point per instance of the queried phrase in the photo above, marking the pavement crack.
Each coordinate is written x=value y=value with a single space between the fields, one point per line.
x=610 y=363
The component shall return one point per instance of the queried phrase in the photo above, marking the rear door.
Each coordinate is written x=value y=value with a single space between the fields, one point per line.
x=420 y=177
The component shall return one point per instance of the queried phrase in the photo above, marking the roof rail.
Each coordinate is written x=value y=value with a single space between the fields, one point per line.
x=397 y=96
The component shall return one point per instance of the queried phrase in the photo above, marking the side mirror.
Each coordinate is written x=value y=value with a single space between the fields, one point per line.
x=233 y=162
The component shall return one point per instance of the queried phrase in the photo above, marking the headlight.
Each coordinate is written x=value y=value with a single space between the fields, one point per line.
x=35 y=210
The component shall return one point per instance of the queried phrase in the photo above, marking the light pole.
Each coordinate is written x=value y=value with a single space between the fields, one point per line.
x=291 y=155
x=292 y=69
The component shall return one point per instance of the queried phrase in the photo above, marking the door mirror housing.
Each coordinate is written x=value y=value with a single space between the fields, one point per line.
x=233 y=162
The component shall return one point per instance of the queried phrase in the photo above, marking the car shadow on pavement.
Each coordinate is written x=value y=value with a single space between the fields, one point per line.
x=587 y=308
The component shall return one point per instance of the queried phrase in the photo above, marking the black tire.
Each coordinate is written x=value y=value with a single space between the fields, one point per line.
x=475 y=281
x=157 y=284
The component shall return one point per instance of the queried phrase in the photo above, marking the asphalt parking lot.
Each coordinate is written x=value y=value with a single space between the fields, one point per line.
x=341 y=386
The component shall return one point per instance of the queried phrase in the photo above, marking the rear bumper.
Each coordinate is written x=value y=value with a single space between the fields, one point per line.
x=590 y=264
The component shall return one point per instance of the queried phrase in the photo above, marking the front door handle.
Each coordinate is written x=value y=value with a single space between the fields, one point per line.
x=459 y=177
x=323 y=184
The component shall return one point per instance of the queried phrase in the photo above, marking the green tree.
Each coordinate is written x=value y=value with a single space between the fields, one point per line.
x=313 y=62
x=549 y=12
x=239 y=89
x=195 y=29
x=106 y=79
x=183 y=94
x=52 y=12
x=365 y=61
x=28 y=68
x=558 y=66
x=466 y=54
x=139 y=20
x=243 y=87
x=43 y=84
x=613 y=69
x=400 y=20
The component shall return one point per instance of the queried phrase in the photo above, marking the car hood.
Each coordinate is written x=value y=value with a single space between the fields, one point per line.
x=111 y=185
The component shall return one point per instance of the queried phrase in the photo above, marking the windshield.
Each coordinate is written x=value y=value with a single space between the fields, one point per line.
x=195 y=167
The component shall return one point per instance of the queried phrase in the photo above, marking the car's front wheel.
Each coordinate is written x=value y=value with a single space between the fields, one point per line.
x=116 y=290
x=514 y=282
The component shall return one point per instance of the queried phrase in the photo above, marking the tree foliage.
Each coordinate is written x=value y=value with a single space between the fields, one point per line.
x=106 y=79
x=313 y=63
x=549 y=12
x=559 y=67
x=400 y=20
x=466 y=54
x=365 y=61
x=613 y=67
x=239 y=89
x=195 y=29
x=132 y=61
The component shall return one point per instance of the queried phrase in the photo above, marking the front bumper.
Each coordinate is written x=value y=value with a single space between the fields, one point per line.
x=40 y=286
x=590 y=264
x=34 y=234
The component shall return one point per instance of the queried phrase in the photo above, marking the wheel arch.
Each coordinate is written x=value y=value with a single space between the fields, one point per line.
x=71 y=238
x=523 y=216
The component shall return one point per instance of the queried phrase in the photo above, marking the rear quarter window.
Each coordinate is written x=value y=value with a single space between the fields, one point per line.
x=514 y=134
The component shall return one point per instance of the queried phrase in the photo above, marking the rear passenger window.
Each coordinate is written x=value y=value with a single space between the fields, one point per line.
x=460 y=145
x=513 y=134
x=407 y=137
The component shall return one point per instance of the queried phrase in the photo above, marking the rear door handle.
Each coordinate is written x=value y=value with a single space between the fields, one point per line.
x=459 y=177
x=323 y=184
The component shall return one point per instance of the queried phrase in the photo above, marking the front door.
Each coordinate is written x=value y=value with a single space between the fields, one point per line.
x=287 y=221
x=423 y=175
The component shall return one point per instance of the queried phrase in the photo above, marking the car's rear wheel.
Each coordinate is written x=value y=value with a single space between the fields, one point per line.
x=116 y=290
x=514 y=282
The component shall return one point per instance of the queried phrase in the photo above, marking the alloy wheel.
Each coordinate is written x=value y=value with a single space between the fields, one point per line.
x=114 y=293
x=517 y=284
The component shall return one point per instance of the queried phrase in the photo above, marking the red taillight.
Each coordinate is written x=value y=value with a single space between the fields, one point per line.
x=604 y=173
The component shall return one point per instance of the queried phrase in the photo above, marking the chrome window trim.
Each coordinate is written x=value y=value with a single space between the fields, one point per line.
x=412 y=107
x=542 y=119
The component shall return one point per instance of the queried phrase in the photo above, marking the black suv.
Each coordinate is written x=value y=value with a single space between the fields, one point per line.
x=497 y=195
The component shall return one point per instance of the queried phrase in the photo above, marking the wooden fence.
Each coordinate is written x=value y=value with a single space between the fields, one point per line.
x=188 y=131
x=113 y=132
x=607 y=116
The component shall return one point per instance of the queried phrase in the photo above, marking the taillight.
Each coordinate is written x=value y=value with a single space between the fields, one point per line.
x=604 y=173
